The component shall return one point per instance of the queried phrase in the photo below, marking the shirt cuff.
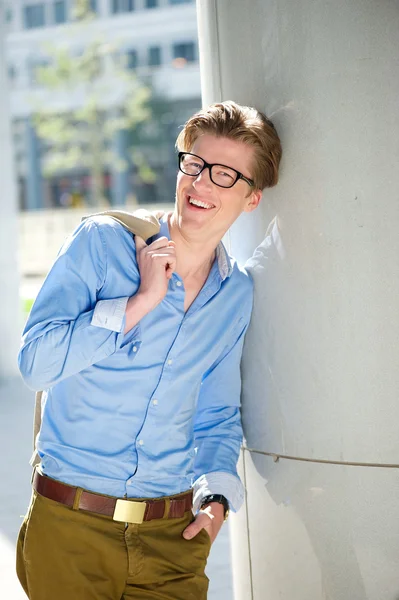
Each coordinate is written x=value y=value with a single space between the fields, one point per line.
x=219 y=482
x=110 y=314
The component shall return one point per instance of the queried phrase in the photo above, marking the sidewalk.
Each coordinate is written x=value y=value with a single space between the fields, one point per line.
x=16 y=413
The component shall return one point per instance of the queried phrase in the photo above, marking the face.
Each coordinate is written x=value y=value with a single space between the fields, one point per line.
x=222 y=205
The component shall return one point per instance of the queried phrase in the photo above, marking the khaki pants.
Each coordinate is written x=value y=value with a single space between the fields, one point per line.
x=65 y=554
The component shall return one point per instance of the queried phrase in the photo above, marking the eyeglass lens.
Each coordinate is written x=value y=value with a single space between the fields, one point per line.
x=223 y=176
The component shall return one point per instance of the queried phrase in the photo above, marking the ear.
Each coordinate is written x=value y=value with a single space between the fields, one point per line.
x=253 y=201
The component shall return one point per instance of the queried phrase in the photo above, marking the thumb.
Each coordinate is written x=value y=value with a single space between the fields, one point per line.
x=140 y=243
x=192 y=530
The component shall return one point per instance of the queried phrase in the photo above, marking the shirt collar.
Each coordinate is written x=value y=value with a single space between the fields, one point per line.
x=224 y=260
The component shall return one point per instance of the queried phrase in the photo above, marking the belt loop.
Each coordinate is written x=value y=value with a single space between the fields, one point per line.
x=76 y=500
x=167 y=508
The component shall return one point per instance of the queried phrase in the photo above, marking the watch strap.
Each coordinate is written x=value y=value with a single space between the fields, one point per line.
x=216 y=498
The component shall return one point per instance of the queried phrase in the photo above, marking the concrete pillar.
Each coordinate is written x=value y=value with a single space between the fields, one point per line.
x=9 y=307
x=120 y=176
x=320 y=365
x=34 y=182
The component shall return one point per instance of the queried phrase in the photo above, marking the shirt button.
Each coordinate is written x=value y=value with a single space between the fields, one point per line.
x=170 y=361
x=178 y=284
x=134 y=348
x=155 y=402
x=141 y=442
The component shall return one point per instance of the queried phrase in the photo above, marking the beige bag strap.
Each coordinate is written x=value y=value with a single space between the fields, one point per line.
x=142 y=223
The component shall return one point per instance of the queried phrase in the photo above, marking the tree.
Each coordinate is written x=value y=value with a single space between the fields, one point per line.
x=95 y=97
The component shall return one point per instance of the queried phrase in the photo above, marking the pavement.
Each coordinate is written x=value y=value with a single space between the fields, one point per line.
x=16 y=414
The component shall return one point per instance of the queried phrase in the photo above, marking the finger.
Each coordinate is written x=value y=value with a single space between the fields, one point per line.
x=172 y=263
x=163 y=259
x=162 y=252
x=161 y=242
x=165 y=262
x=191 y=531
x=195 y=527
x=170 y=269
x=140 y=243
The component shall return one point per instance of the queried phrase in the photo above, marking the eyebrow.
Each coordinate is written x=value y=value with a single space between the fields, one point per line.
x=219 y=164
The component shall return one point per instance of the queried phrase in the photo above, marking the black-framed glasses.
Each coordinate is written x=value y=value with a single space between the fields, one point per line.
x=221 y=175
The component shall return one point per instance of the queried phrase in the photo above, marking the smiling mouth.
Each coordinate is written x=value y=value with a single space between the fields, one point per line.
x=200 y=203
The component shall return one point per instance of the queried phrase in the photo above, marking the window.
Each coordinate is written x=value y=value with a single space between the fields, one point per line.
x=34 y=16
x=151 y=3
x=12 y=73
x=132 y=59
x=93 y=5
x=121 y=6
x=180 y=1
x=59 y=12
x=154 y=56
x=8 y=14
x=185 y=50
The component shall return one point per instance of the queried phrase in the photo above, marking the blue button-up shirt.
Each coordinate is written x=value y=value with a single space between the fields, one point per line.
x=145 y=414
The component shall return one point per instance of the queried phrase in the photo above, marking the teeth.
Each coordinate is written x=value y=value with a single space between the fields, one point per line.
x=199 y=203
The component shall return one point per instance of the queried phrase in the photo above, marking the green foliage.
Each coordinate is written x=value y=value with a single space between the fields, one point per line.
x=27 y=304
x=81 y=10
x=94 y=96
x=147 y=175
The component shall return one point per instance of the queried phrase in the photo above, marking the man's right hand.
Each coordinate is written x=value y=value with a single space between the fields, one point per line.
x=156 y=264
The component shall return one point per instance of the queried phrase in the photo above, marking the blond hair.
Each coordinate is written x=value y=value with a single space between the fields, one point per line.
x=241 y=123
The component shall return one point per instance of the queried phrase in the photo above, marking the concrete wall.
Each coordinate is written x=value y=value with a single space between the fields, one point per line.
x=320 y=366
x=9 y=306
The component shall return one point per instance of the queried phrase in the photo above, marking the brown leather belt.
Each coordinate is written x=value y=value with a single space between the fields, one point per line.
x=120 y=509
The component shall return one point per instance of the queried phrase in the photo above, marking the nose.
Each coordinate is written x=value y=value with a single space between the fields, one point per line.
x=203 y=180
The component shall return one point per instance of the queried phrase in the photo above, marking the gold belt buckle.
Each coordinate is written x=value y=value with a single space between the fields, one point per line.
x=129 y=511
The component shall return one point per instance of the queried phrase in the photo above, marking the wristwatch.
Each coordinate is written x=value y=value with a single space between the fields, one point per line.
x=217 y=498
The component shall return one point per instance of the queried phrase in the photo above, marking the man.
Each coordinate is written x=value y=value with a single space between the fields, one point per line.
x=138 y=348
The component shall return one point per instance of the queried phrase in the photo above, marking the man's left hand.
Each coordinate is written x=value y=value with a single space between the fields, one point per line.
x=210 y=518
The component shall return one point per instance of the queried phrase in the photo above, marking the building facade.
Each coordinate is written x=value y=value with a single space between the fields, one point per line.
x=159 y=40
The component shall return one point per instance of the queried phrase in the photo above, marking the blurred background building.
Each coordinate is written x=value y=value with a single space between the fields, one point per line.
x=114 y=83
x=156 y=44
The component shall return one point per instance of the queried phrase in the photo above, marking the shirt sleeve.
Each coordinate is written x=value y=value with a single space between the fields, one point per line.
x=218 y=430
x=67 y=330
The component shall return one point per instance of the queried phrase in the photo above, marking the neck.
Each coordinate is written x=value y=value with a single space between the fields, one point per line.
x=194 y=257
